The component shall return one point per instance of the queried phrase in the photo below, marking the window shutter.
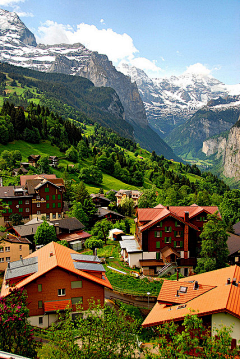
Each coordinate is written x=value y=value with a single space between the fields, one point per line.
x=170 y=240
x=160 y=233
x=200 y=218
x=170 y=229
x=175 y=233
x=175 y=244
x=165 y=239
x=181 y=233
x=181 y=243
x=165 y=229
x=160 y=224
x=155 y=234
x=158 y=255
x=157 y=244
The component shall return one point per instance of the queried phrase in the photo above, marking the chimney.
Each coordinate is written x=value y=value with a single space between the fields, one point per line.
x=168 y=207
x=195 y=286
x=177 y=295
x=228 y=281
x=234 y=282
x=51 y=254
x=186 y=216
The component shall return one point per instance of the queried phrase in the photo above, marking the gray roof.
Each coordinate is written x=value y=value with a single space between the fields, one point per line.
x=71 y=223
x=101 y=212
x=130 y=245
x=22 y=267
x=89 y=266
x=9 y=191
x=28 y=229
x=85 y=258
x=233 y=243
x=236 y=228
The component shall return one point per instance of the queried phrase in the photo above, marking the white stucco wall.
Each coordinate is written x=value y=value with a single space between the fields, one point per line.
x=149 y=255
x=134 y=259
x=48 y=319
x=228 y=320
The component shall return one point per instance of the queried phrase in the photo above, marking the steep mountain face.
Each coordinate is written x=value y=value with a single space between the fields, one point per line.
x=18 y=47
x=169 y=102
x=227 y=150
x=188 y=138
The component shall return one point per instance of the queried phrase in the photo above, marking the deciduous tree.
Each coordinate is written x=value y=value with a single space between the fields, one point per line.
x=45 y=234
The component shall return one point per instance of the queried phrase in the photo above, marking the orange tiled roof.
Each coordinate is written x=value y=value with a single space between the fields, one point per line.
x=213 y=296
x=51 y=256
x=53 y=306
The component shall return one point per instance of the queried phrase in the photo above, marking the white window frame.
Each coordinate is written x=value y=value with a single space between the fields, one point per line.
x=7 y=249
x=38 y=204
x=61 y=292
x=8 y=259
x=1 y=260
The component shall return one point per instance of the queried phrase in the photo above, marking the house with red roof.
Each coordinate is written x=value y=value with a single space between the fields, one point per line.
x=56 y=277
x=169 y=237
x=214 y=296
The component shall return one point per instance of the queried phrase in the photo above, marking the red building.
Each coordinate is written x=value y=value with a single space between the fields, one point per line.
x=171 y=234
x=36 y=197
x=56 y=277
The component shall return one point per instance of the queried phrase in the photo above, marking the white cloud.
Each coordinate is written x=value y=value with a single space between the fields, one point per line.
x=198 y=69
x=148 y=66
x=105 y=41
x=10 y=2
x=20 y=13
x=102 y=22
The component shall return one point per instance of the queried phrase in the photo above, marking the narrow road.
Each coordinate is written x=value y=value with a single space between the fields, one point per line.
x=109 y=294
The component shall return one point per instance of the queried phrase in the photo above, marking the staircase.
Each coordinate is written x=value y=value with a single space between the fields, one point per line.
x=166 y=269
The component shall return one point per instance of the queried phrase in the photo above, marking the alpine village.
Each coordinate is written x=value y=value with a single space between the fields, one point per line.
x=115 y=242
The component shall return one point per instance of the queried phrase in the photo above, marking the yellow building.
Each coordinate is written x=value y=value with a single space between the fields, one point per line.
x=12 y=249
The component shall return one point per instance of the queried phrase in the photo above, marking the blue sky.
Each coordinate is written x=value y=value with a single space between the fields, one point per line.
x=162 y=37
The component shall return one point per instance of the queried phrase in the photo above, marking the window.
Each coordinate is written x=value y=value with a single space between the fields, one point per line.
x=47 y=217
x=40 y=320
x=54 y=216
x=177 y=233
x=40 y=304
x=20 y=209
x=7 y=249
x=167 y=240
x=59 y=205
x=183 y=289
x=39 y=287
x=27 y=209
x=61 y=292
x=47 y=197
x=20 y=256
x=19 y=202
x=27 y=201
x=38 y=212
x=47 y=205
x=53 y=196
x=59 y=196
x=1 y=249
x=157 y=244
x=7 y=259
x=76 y=284
x=53 y=205
x=77 y=300
x=177 y=224
x=168 y=229
x=1 y=260
x=9 y=210
x=157 y=234
x=38 y=197
x=38 y=204
x=20 y=247
x=46 y=189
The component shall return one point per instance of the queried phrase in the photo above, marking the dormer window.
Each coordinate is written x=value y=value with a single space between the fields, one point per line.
x=183 y=289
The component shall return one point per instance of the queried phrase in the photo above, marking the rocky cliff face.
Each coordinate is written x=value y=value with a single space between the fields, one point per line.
x=227 y=150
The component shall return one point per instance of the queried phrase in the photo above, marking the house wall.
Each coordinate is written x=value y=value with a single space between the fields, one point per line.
x=134 y=259
x=58 y=279
x=228 y=320
x=159 y=233
x=14 y=252
x=48 y=202
x=19 y=204
x=47 y=320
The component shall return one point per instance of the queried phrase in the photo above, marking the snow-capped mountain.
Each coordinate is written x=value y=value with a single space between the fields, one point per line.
x=18 y=47
x=171 y=101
